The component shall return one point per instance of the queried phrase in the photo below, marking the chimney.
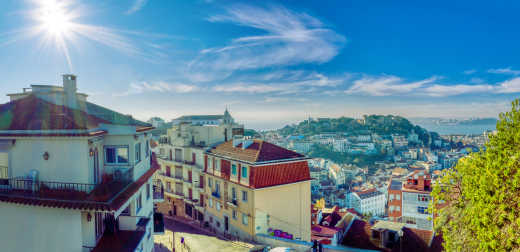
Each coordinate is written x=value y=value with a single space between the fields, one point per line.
x=70 y=89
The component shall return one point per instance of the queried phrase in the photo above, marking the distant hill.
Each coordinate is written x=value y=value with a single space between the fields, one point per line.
x=380 y=124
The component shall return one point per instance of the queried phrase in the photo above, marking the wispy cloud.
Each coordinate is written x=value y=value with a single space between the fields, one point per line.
x=142 y=87
x=385 y=86
x=289 y=38
x=507 y=70
x=395 y=86
x=136 y=6
x=470 y=71
x=308 y=82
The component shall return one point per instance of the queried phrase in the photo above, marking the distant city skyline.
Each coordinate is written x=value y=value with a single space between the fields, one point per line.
x=272 y=63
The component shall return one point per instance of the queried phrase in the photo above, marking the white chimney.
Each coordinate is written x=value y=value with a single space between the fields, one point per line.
x=70 y=88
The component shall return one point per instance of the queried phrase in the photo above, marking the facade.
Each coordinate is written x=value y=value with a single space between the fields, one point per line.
x=181 y=157
x=255 y=187
x=205 y=119
x=408 y=201
x=369 y=202
x=77 y=175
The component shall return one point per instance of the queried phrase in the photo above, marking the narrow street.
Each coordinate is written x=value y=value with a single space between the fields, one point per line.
x=164 y=243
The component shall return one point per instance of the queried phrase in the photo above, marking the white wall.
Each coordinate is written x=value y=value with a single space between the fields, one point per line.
x=30 y=228
x=288 y=207
x=68 y=159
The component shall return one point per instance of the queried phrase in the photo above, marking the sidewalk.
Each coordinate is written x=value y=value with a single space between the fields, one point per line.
x=193 y=224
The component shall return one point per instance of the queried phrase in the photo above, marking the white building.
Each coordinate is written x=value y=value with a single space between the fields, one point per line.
x=78 y=176
x=205 y=119
x=367 y=202
x=341 y=145
x=416 y=198
x=399 y=141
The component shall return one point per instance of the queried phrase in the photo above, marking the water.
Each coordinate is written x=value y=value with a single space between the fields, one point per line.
x=458 y=129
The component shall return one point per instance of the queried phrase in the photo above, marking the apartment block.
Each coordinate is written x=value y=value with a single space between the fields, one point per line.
x=255 y=187
x=409 y=200
x=368 y=202
x=75 y=176
x=181 y=158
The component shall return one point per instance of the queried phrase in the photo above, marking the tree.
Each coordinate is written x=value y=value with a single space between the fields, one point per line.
x=477 y=203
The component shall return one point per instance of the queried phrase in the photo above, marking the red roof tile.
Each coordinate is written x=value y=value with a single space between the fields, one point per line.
x=119 y=241
x=279 y=174
x=258 y=151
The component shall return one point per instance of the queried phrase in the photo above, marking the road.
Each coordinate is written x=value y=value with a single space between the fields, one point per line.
x=164 y=243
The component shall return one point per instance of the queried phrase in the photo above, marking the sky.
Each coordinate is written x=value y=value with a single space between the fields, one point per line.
x=270 y=62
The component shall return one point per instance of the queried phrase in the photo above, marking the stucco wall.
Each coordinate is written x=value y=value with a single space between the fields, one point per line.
x=29 y=228
x=288 y=207
x=68 y=159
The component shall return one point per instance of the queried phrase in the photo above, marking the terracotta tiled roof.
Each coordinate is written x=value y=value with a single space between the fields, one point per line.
x=34 y=114
x=119 y=241
x=258 y=151
x=358 y=236
x=31 y=113
x=279 y=174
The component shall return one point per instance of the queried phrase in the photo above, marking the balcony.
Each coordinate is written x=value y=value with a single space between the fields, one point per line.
x=158 y=194
x=216 y=194
x=232 y=202
x=28 y=188
x=175 y=194
x=126 y=236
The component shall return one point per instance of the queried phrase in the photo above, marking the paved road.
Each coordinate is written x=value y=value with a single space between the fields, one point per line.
x=164 y=243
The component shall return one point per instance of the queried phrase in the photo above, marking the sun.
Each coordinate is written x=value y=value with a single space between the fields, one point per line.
x=54 y=18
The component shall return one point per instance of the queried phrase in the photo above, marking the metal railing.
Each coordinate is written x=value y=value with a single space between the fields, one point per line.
x=111 y=186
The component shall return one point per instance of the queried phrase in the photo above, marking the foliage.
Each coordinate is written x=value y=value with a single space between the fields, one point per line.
x=380 y=124
x=477 y=204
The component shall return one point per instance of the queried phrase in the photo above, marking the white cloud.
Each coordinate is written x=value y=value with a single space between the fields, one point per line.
x=385 y=86
x=136 y=6
x=504 y=71
x=395 y=86
x=161 y=86
x=289 y=38
x=470 y=71
x=509 y=86
x=307 y=83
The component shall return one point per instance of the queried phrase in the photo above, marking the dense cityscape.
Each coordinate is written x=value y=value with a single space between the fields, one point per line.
x=259 y=126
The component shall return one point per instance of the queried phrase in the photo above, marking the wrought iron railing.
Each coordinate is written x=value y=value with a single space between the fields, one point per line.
x=111 y=186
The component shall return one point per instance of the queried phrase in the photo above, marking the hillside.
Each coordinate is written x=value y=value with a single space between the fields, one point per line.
x=380 y=124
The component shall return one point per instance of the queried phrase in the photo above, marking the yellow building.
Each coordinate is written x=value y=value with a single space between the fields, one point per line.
x=255 y=187
x=181 y=157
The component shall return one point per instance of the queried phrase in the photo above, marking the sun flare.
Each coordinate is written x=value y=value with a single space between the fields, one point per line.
x=54 y=18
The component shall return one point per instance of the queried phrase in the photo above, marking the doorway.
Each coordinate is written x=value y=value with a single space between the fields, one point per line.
x=226 y=223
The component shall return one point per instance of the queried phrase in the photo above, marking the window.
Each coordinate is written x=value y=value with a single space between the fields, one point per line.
x=234 y=169
x=210 y=183
x=398 y=197
x=391 y=197
x=210 y=202
x=233 y=193
x=138 y=153
x=116 y=155
x=210 y=163
x=244 y=172
x=398 y=208
x=210 y=219
x=245 y=219
x=244 y=196
x=391 y=208
x=422 y=210
x=422 y=197
x=148 y=191
x=217 y=187
x=217 y=165
x=235 y=215
x=147 y=148
x=138 y=203
x=168 y=186
x=218 y=206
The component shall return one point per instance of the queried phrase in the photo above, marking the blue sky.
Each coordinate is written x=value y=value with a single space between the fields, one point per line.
x=271 y=63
